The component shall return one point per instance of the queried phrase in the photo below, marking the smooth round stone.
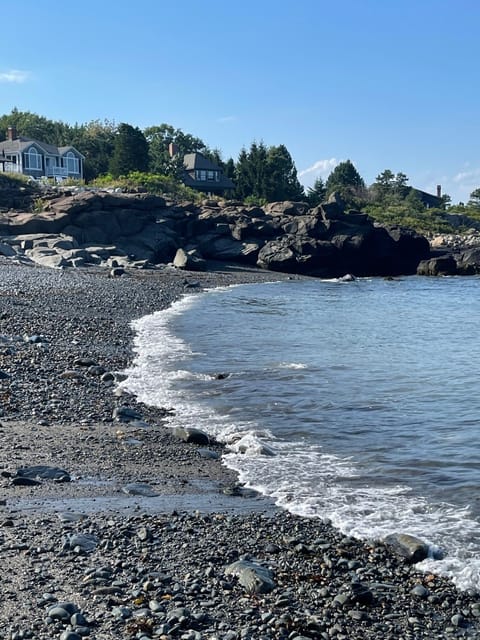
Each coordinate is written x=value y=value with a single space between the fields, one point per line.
x=121 y=612
x=59 y=613
x=356 y=615
x=78 y=619
x=70 y=635
x=341 y=599
x=457 y=620
x=420 y=591
x=155 y=606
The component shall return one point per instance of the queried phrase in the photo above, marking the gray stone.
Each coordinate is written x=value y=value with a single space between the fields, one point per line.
x=191 y=260
x=122 y=612
x=20 y=481
x=409 y=547
x=70 y=635
x=139 y=489
x=96 y=370
x=252 y=576
x=208 y=454
x=59 y=613
x=126 y=414
x=457 y=620
x=44 y=472
x=419 y=591
x=7 y=250
x=190 y=434
x=116 y=272
x=84 y=542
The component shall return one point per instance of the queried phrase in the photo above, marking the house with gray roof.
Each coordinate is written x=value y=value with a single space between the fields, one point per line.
x=39 y=159
x=202 y=174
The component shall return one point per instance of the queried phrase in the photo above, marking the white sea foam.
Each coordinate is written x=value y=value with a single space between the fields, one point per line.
x=292 y=365
x=301 y=477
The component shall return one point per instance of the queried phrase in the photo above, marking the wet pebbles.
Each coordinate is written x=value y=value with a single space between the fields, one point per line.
x=64 y=338
x=179 y=576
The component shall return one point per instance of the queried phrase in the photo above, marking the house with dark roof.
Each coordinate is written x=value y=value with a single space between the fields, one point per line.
x=39 y=159
x=428 y=199
x=202 y=174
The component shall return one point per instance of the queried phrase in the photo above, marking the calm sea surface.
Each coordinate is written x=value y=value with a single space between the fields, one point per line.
x=366 y=392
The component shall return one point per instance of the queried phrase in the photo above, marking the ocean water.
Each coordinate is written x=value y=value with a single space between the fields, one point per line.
x=355 y=402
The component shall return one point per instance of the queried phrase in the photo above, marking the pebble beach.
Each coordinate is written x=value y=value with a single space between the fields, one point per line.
x=111 y=526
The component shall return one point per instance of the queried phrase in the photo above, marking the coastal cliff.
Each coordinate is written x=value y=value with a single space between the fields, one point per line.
x=141 y=230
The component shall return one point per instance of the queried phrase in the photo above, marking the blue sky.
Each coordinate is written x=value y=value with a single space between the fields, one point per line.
x=386 y=83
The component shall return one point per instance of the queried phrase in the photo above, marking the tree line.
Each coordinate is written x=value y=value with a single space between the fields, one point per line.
x=261 y=173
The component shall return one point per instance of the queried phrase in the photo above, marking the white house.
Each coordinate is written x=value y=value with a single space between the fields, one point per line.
x=38 y=159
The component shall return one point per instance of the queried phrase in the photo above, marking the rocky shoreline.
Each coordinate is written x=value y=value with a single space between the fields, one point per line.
x=140 y=533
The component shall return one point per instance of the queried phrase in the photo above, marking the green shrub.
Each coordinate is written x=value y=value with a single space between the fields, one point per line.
x=254 y=201
x=150 y=183
x=424 y=221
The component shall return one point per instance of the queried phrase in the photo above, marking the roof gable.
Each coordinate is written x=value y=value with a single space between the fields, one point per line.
x=198 y=161
x=21 y=144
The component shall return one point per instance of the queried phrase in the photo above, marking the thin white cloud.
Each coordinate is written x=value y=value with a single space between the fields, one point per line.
x=463 y=183
x=470 y=177
x=14 y=76
x=225 y=119
x=319 y=168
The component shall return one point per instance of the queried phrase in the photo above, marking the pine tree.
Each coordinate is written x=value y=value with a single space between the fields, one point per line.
x=317 y=194
x=281 y=181
x=130 y=151
x=346 y=180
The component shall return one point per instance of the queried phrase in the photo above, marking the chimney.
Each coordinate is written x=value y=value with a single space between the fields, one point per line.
x=12 y=133
x=173 y=149
x=439 y=190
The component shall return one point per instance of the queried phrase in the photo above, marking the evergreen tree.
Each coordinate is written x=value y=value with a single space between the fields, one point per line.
x=130 y=151
x=389 y=188
x=475 y=198
x=318 y=193
x=242 y=177
x=229 y=169
x=267 y=174
x=347 y=181
x=281 y=181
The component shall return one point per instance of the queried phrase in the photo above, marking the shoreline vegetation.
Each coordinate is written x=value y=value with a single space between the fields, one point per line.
x=139 y=534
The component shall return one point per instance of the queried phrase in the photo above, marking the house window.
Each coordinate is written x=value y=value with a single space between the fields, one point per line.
x=211 y=176
x=72 y=162
x=33 y=160
x=200 y=174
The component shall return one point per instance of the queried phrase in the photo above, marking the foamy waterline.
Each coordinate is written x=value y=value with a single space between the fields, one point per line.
x=162 y=361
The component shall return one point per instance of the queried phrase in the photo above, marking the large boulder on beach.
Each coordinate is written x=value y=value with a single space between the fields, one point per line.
x=252 y=576
x=191 y=260
x=468 y=261
x=44 y=472
x=191 y=435
x=444 y=265
x=408 y=547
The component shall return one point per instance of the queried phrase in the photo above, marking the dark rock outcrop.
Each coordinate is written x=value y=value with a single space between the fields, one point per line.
x=120 y=230
x=444 y=265
x=468 y=261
